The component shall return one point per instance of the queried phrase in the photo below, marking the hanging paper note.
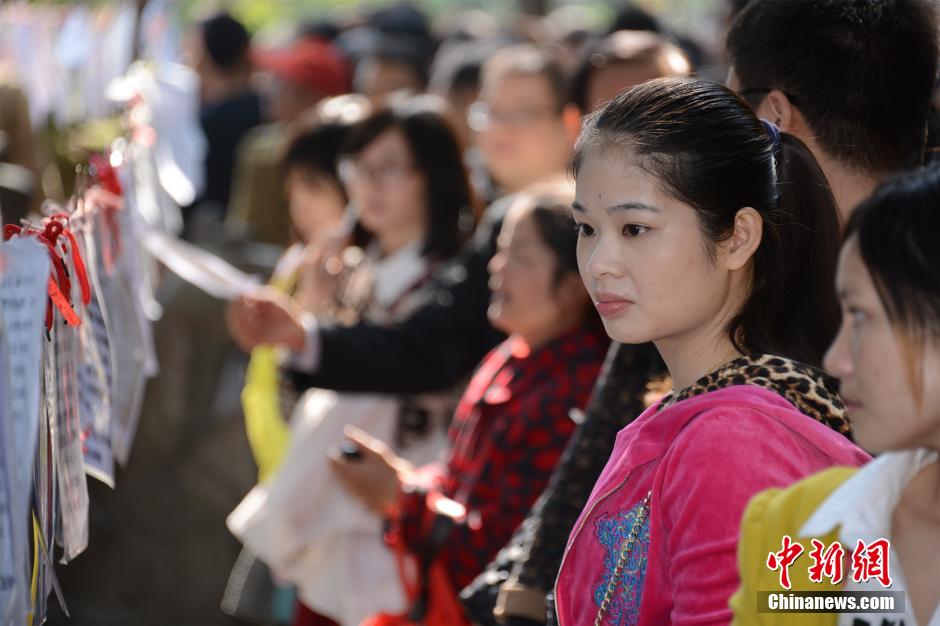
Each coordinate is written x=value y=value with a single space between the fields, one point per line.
x=95 y=375
x=13 y=588
x=73 y=488
x=25 y=271
x=129 y=371
x=200 y=268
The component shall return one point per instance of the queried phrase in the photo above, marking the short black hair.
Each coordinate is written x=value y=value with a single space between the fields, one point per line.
x=860 y=71
x=633 y=17
x=226 y=40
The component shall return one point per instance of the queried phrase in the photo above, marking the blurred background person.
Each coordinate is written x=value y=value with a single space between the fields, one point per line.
x=404 y=174
x=20 y=181
x=220 y=53
x=525 y=127
x=621 y=60
x=316 y=203
x=298 y=76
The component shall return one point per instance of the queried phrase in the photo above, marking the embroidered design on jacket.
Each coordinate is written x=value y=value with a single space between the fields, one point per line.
x=611 y=531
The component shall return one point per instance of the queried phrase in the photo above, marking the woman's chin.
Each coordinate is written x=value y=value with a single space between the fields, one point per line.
x=497 y=317
x=624 y=333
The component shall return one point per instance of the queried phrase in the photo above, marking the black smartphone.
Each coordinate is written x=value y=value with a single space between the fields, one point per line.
x=350 y=451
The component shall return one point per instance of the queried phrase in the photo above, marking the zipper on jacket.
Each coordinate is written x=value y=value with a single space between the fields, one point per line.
x=577 y=532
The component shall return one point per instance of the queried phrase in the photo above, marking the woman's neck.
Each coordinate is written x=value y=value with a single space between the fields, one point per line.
x=922 y=493
x=395 y=241
x=688 y=358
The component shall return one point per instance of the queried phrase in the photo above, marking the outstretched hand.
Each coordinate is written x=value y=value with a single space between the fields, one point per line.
x=265 y=317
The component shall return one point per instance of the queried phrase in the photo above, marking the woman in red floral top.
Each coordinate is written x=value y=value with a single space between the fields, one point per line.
x=513 y=421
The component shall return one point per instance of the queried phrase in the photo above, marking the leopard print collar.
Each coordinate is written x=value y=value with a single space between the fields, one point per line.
x=810 y=390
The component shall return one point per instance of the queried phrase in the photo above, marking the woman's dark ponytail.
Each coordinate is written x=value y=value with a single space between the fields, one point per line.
x=710 y=151
x=792 y=309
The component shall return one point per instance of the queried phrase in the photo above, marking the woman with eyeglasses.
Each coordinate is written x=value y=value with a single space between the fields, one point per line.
x=407 y=187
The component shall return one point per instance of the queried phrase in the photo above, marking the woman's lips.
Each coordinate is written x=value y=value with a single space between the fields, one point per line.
x=609 y=305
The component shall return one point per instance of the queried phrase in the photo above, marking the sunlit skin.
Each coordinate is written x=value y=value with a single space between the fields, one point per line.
x=645 y=263
x=518 y=155
x=607 y=83
x=525 y=299
x=868 y=356
x=314 y=201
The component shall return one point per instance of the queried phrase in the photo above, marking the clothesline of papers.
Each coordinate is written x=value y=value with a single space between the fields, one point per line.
x=76 y=351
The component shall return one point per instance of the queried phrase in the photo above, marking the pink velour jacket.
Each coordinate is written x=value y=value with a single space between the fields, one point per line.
x=700 y=460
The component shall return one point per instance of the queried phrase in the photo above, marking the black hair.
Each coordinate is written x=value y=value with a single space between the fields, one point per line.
x=632 y=17
x=709 y=150
x=437 y=154
x=402 y=49
x=860 y=71
x=315 y=147
x=226 y=40
x=896 y=229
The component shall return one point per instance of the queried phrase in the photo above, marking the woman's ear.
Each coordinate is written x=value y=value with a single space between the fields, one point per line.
x=745 y=237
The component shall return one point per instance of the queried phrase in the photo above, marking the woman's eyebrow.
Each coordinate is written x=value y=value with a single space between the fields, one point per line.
x=577 y=206
x=626 y=206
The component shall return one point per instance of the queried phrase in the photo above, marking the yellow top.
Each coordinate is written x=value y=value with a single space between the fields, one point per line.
x=268 y=432
x=769 y=516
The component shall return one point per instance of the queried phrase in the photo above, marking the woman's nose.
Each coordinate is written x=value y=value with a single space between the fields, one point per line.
x=603 y=260
x=838 y=359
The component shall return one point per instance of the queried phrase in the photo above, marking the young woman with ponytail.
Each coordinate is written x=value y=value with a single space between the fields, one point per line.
x=714 y=236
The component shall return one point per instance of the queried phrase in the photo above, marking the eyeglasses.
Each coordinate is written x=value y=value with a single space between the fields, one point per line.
x=352 y=172
x=480 y=115
x=762 y=91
